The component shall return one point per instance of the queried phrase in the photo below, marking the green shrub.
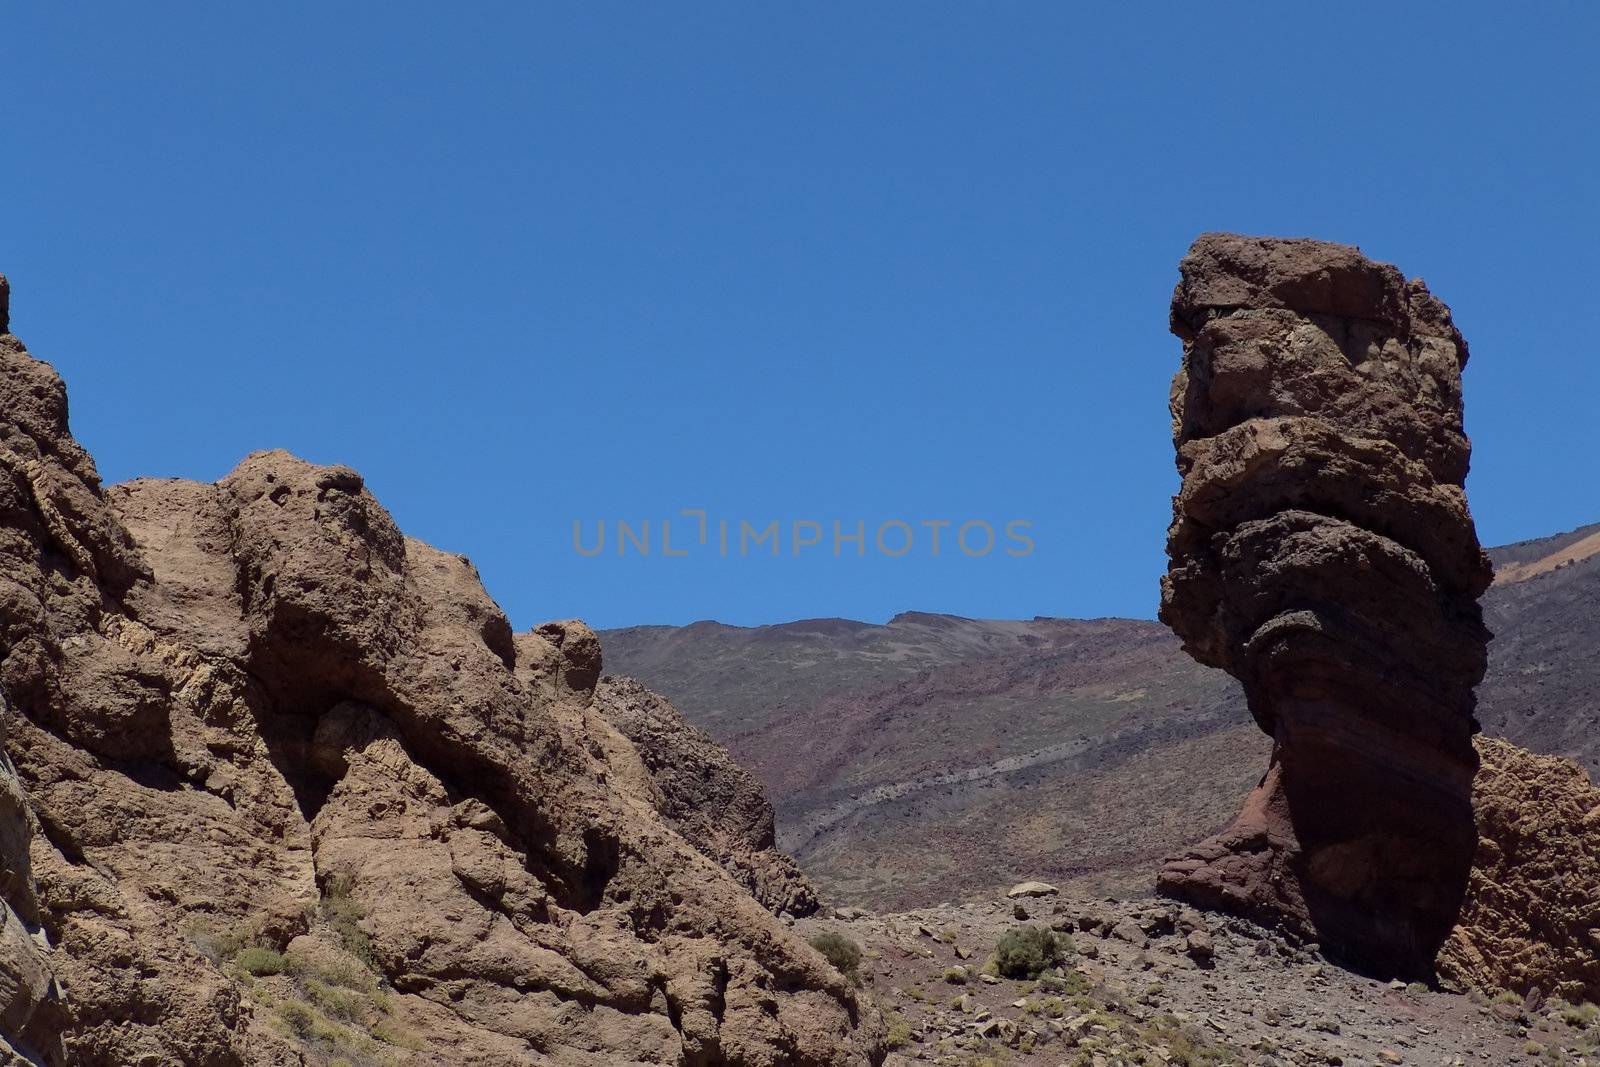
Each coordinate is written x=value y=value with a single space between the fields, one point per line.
x=214 y=941
x=259 y=961
x=301 y=1020
x=341 y=911
x=392 y=1033
x=899 y=1035
x=1027 y=952
x=1580 y=1016
x=348 y=973
x=843 y=953
x=334 y=1001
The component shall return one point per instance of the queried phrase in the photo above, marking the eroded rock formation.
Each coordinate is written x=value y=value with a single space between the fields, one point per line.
x=1531 y=918
x=717 y=805
x=1322 y=552
x=288 y=788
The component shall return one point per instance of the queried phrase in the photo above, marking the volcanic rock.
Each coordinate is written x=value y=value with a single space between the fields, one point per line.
x=1032 y=889
x=283 y=787
x=1531 y=918
x=1322 y=552
x=713 y=802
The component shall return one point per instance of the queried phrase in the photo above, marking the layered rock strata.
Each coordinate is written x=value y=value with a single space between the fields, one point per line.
x=1322 y=552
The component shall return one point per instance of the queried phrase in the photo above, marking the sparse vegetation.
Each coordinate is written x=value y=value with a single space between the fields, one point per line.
x=1027 y=952
x=392 y=1033
x=839 y=950
x=334 y=1001
x=216 y=942
x=956 y=975
x=298 y=1017
x=899 y=1032
x=342 y=912
x=260 y=962
x=330 y=1000
x=1067 y=982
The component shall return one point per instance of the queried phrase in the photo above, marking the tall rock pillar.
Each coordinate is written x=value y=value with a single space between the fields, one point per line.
x=1322 y=552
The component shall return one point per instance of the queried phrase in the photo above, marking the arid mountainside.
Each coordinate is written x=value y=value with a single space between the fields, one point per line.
x=886 y=743
x=283 y=787
x=935 y=757
x=1542 y=689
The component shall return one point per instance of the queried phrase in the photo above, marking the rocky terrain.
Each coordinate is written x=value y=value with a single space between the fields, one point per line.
x=1152 y=983
x=283 y=787
x=717 y=805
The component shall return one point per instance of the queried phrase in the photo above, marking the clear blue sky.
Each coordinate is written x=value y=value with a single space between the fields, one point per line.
x=523 y=264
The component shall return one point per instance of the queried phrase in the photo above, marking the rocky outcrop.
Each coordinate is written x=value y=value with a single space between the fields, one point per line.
x=714 y=803
x=1322 y=552
x=289 y=789
x=1531 y=918
x=25 y=978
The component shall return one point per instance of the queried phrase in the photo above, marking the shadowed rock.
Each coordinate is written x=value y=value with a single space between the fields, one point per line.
x=717 y=805
x=1322 y=552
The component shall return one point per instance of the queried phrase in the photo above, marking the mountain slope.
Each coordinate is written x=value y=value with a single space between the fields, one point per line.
x=1543 y=686
x=934 y=757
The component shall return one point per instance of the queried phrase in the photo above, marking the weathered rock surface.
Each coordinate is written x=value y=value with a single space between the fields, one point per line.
x=718 y=806
x=1532 y=917
x=1322 y=552
x=288 y=789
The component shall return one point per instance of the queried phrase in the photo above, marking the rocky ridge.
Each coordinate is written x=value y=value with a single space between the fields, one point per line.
x=283 y=787
x=717 y=805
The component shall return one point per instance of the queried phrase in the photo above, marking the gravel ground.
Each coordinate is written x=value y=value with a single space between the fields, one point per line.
x=1147 y=982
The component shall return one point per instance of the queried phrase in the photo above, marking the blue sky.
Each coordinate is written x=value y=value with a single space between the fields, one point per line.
x=526 y=264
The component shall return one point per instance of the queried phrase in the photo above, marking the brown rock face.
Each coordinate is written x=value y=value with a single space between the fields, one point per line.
x=252 y=718
x=1322 y=552
x=1531 y=918
x=717 y=805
